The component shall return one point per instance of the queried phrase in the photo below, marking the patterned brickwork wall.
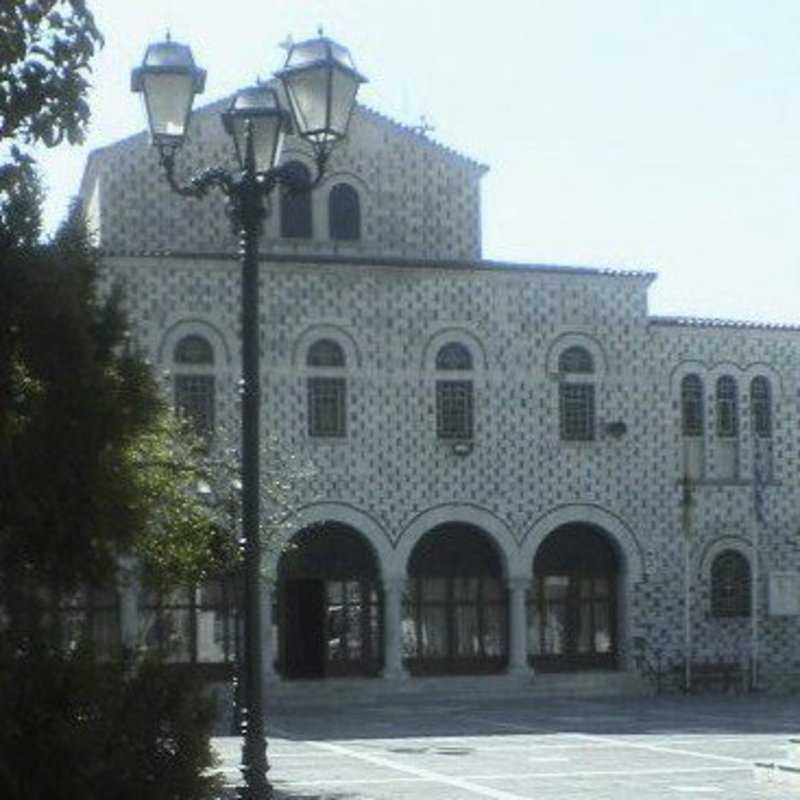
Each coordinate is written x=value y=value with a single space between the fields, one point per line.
x=392 y=470
x=418 y=199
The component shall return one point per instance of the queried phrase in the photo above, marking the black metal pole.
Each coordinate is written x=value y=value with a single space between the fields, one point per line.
x=250 y=211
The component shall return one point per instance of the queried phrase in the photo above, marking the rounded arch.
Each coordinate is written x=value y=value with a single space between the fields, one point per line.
x=682 y=370
x=347 y=176
x=629 y=550
x=316 y=514
x=759 y=369
x=454 y=513
x=331 y=331
x=719 y=545
x=182 y=328
x=567 y=341
x=445 y=336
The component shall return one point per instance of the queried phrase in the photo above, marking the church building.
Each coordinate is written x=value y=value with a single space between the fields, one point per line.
x=517 y=470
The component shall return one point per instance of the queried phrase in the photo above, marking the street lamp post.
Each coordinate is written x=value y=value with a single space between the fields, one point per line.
x=320 y=84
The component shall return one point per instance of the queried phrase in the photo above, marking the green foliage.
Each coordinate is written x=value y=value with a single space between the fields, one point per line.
x=76 y=728
x=46 y=47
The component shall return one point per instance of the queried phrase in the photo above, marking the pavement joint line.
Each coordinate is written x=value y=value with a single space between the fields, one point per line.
x=517 y=776
x=429 y=775
x=636 y=745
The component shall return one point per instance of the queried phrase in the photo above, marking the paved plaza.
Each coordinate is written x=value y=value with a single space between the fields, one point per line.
x=524 y=748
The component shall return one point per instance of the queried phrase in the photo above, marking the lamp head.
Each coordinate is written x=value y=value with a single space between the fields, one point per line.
x=168 y=80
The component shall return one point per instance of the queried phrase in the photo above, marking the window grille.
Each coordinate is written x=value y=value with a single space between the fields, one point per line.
x=577 y=412
x=344 y=213
x=727 y=408
x=326 y=407
x=454 y=416
x=90 y=615
x=761 y=407
x=730 y=585
x=296 y=206
x=692 y=417
x=194 y=400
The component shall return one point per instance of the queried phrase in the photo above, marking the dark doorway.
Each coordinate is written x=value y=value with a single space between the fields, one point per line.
x=456 y=618
x=573 y=609
x=304 y=617
x=330 y=605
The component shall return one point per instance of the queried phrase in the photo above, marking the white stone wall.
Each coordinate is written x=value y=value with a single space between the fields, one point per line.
x=393 y=480
x=418 y=198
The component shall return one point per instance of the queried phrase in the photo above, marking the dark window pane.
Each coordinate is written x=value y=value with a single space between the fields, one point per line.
x=193 y=350
x=296 y=206
x=326 y=407
x=761 y=407
x=692 y=406
x=325 y=353
x=730 y=585
x=727 y=407
x=454 y=409
x=575 y=359
x=344 y=213
x=577 y=411
x=194 y=400
x=454 y=356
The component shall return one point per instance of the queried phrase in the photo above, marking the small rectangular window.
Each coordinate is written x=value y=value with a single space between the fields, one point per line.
x=577 y=412
x=454 y=409
x=194 y=400
x=326 y=407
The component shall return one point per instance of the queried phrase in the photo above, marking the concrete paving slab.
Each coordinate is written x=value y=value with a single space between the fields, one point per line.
x=515 y=749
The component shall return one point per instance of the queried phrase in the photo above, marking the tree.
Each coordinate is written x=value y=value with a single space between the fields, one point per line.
x=46 y=47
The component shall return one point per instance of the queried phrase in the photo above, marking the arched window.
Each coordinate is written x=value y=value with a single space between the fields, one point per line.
x=761 y=407
x=326 y=389
x=576 y=395
x=454 y=394
x=456 y=617
x=296 y=206
x=730 y=585
x=344 y=213
x=727 y=408
x=692 y=416
x=194 y=383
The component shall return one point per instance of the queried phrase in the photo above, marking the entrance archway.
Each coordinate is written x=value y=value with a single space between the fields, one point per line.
x=329 y=605
x=573 y=613
x=456 y=619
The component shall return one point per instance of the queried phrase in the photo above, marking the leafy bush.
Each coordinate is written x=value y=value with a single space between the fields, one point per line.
x=77 y=728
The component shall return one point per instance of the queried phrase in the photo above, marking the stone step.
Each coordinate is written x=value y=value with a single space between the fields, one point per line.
x=335 y=691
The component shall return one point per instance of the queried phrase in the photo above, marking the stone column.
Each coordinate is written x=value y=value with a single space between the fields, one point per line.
x=268 y=645
x=128 y=607
x=518 y=627
x=393 y=628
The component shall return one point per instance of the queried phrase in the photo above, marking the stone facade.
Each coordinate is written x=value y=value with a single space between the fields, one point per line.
x=415 y=282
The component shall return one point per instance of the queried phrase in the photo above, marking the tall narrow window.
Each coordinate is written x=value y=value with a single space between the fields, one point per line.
x=761 y=407
x=296 y=206
x=194 y=383
x=576 y=395
x=692 y=417
x=761 y=422
x=344 y=213
x=730 y=585
x=454 y=395
x=727 y=408
x=327 y=389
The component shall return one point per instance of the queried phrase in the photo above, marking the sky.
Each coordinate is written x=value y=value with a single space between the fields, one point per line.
x=630 y=134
